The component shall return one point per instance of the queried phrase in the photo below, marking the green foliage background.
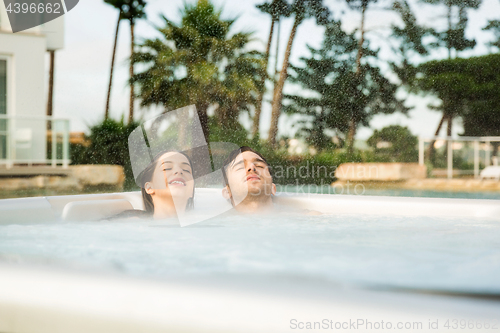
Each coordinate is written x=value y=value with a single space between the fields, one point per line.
x=109 y=145
x=403 y=144
x=198 y=59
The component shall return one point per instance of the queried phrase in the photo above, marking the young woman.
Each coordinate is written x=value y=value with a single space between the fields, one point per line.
x=167 y=187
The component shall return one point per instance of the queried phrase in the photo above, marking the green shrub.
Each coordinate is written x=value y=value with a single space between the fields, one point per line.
x=304 y=169
x=401 y=145
x=109 y=145
x=237 y=135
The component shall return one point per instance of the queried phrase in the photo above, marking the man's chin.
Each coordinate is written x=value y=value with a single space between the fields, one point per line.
x=256 y=190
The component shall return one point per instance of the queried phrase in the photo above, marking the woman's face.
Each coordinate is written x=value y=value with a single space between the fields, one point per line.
x=173 y=177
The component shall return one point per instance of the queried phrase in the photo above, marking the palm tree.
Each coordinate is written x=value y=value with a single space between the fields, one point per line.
x=128 y=10
x=118 y=5
x=302 y=10
x=239 y=90
x=197 y=62
x=277 y=9
x=131 y=11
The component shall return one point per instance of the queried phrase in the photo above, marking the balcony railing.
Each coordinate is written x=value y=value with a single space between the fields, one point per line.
x=29 y=140
x=476 y=149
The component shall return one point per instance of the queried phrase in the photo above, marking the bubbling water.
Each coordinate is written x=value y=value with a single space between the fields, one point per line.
x=420 y=252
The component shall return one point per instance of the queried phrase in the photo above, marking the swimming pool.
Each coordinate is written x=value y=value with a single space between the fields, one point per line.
x=370 y=191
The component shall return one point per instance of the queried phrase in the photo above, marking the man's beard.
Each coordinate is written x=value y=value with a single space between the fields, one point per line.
x=259 y=191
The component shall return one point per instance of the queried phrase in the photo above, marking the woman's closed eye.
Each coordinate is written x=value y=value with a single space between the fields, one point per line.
x=185 y=170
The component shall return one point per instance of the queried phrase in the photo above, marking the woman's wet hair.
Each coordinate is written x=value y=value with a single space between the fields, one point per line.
x=147 y=175
x=232 y=156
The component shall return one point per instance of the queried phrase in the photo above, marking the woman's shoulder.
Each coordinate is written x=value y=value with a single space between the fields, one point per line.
x=131 y=213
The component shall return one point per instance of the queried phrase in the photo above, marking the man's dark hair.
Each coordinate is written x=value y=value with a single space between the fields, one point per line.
x=232 y=156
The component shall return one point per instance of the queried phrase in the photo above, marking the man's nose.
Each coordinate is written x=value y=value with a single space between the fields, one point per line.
x=251 y=167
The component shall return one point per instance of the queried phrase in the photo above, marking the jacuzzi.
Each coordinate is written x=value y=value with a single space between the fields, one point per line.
x=367 y=264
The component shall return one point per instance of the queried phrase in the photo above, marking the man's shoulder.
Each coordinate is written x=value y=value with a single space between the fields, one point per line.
x=290 y=210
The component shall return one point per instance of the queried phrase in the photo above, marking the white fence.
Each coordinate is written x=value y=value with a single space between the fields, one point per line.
x=482 y=143
x=24 y=140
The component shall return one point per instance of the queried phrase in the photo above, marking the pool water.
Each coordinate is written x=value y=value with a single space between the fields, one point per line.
x=460 y=255
x=435 y=194
x=352 y=190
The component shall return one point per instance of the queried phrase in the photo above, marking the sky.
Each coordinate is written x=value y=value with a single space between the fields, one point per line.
x=82 y=67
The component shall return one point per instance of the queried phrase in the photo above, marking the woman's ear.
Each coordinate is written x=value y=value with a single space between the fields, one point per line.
x=149 y=189
x=273 y=189
x=226 y=192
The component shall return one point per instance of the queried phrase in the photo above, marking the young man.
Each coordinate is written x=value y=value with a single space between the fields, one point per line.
x=248 y=181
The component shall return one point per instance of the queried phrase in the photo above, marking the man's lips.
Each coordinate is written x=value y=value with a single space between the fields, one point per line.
x=252 y=177
x=177 y=182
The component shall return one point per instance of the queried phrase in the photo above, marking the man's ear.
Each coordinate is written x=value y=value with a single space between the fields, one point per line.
x=149 y=189
x=226 y=193
x=273 y=189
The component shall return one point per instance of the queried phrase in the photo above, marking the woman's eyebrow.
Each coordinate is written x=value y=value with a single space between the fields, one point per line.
x=189 y=165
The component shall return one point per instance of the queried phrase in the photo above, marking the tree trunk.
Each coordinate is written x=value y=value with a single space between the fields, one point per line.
x=450 y=125
x=350 y=137
x=131 y=70
x=106 y=111
x=203 y=117
x=431 y=146
x=448 y=43
x=361 y=42
x=276 y=66
x=51 y=88
x=278 y=93
x=50 y=96
x=353 y=123
x=258 y=107
x=276 y=69
x=448 y=131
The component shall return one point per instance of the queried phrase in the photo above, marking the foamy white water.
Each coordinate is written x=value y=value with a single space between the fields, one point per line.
x=433 y=253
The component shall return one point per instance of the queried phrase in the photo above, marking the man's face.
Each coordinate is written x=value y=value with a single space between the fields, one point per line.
x=248 y=175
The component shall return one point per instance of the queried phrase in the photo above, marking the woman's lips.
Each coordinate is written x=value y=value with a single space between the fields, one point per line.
x=177 y=182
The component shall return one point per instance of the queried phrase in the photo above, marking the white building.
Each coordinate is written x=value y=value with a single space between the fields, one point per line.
x=23 y=93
